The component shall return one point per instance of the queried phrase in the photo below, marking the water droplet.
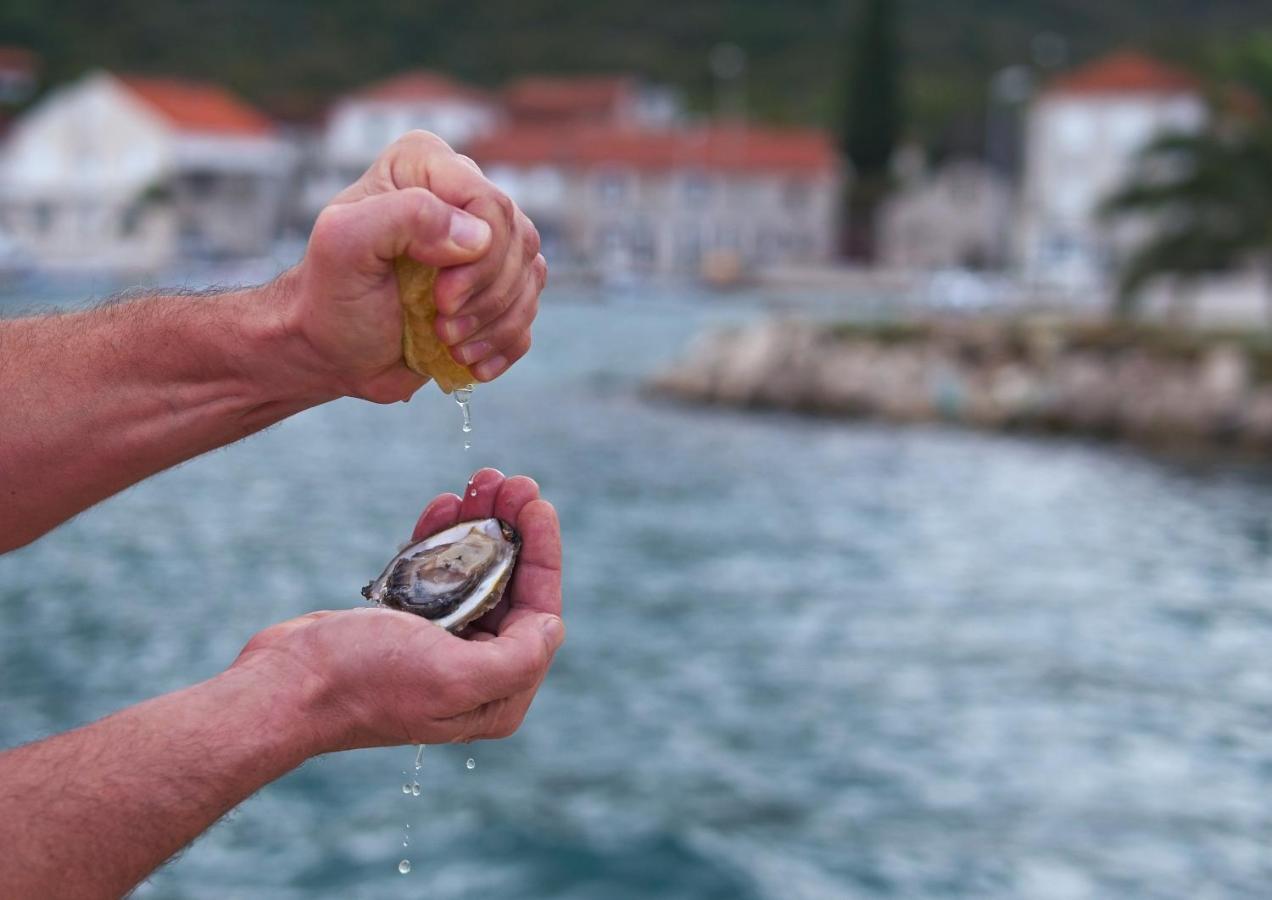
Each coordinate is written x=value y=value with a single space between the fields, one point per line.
x=415 y=788
x=405 y=841
x=473 y=492
x=462 y=396
x=408 y=826
x=404 y=866
x=406 y=789
x=419 y=754
x=471 y=764
x=468 y=445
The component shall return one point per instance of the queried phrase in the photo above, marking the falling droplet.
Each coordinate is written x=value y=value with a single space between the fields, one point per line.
x=404 y=866
x=471 y=764
x=406 y=789
x=405 y=841
x=419 y=754
x=415 y=788
x=462 y=397
x=468 y=445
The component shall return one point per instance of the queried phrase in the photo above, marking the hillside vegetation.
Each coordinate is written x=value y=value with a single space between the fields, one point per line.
x=291 y=55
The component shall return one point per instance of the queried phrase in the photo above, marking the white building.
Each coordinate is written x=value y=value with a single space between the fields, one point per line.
x=362 y=124
x=620 y=101
x=667 y=201
x=1083 y=139
x=954 y=216
x=113 y=172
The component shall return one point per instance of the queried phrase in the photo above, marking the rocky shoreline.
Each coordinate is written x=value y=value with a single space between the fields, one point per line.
x=1148 y=386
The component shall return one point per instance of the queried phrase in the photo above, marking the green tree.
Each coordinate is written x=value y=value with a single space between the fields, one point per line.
x=1208 y=195
x=872 y=118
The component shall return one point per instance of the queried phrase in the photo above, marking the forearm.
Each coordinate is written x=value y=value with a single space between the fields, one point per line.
x=92 y=812
x=92 y=402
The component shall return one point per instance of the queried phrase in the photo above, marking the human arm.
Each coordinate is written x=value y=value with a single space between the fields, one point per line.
x=89 y=813
x=94 y=401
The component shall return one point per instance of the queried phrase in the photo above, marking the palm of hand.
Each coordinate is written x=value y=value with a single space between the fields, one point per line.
x=385 y=677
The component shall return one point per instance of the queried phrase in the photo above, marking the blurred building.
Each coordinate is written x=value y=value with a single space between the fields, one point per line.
x=671 y=200
x=1083 y=137
x=19 y=75
x=621 y=101
x=134 y=172
x=954 y=216
x=360 y=125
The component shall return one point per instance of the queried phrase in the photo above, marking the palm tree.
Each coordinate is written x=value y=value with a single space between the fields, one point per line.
x=1208 y=195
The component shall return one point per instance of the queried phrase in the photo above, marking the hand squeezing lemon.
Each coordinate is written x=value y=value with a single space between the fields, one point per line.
x=423 y=352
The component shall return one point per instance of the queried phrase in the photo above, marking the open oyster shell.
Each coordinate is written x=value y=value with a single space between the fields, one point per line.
x=452 y=577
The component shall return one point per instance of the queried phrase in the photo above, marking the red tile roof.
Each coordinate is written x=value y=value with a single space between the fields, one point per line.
x=199 y=107
x=544 y=98
x=18 y=59
x=421 y=84
x=734 y=148
x=1126 y=72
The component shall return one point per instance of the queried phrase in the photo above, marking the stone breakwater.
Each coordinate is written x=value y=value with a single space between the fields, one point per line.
x=1147 y=386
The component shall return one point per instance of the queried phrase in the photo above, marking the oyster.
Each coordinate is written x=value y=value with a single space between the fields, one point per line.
x=452 y=577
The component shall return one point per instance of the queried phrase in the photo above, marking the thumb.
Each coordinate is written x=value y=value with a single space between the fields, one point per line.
x=412 y=221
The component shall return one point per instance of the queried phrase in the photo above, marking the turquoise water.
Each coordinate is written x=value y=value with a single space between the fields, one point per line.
x=806 y=659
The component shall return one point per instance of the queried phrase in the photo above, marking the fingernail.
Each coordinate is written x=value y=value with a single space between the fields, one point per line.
x=455 y=330
x=468 y=232
x=553 y=632
x=470 y=353
x=490 y=368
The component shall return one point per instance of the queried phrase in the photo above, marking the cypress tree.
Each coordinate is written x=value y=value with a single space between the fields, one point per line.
x=872 y=120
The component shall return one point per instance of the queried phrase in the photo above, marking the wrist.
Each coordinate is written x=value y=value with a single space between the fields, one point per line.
x=280 y=363
x=287 y=707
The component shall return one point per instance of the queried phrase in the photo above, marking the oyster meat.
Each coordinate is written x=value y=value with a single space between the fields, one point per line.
x=452 y=577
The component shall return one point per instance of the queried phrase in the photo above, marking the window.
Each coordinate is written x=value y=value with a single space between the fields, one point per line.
x=796 y=194
x=1074 y=129
x=43 y=215
x=696 y=188
x=612 y=186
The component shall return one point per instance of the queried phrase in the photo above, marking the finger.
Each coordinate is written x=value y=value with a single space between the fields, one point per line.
x=479 y=498
x=514 y=661
x=536 y=581
x=440 y=514
x=496 y=720
x=513 y=496
x=485 y=304
x=419 y=159
x=382 y=227
x=456 y=286
x=505 y=334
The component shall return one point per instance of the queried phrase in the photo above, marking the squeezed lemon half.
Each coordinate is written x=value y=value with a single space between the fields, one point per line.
x=423 y=352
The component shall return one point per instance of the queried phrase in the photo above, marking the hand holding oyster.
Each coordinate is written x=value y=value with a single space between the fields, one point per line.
x=499 y=542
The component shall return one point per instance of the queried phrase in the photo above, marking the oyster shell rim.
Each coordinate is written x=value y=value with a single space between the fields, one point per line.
x=466 y=614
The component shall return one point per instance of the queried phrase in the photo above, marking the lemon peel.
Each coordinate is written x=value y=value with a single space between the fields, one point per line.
x=422 y=351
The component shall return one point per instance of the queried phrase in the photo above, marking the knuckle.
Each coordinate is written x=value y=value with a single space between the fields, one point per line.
x=503 y=203
x=454 y=694
x=508 y=725
x=540 y=269
x=530 y=241
x=418 y=138
x=331 y=224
